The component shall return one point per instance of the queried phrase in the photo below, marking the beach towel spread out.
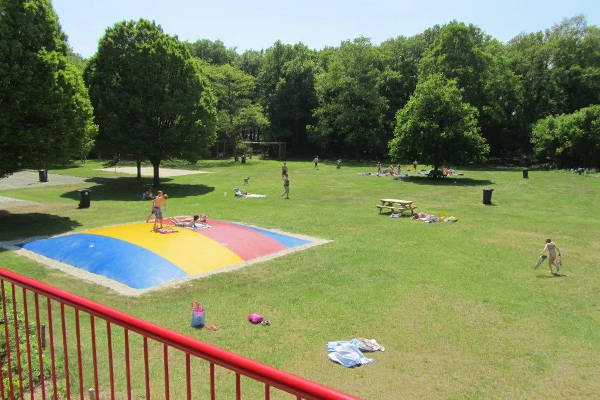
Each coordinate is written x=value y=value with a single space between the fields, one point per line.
x=242 y=193
x=349 y=354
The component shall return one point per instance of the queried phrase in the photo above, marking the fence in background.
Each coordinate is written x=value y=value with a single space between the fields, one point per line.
x=83 y=355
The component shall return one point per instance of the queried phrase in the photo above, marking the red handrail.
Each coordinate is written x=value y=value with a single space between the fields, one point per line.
x=239 y=364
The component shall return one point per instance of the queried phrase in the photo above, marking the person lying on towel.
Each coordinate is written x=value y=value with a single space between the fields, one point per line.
x=188 y=222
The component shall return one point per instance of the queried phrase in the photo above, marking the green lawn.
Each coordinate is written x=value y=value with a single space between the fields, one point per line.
x=460 y=310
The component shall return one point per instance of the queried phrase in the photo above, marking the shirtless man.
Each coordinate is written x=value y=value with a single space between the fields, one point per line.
x=159 y=201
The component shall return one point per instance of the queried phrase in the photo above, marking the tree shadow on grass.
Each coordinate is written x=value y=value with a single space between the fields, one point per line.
x=131 y=189
x=448 y=181
x=33 y=224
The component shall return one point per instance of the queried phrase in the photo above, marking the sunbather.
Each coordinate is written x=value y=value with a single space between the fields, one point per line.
x=188 y=222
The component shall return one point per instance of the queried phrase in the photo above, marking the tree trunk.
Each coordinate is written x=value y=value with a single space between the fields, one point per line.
x=156 y=181
x=139 y=169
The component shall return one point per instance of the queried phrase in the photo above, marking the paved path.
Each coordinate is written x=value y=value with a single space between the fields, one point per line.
x=26 y=179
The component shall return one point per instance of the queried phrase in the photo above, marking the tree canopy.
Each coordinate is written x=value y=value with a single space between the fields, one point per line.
x=349 y=115
x=569 y=140
x=150 y=99
x=341 y=100
x=236 y=93
x=437 y=127
x=45 y=112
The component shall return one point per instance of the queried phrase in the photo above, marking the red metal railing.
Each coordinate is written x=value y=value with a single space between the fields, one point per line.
x=20 y=377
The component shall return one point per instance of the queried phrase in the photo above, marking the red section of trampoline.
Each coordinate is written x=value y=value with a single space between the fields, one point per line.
x=246 y=243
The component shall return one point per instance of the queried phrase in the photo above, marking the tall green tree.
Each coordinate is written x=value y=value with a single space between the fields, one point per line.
x=401 y=57
x=150 y=99
x=437 y=127
x=351 y=110
x=481 y=68
x=235 y=91
x=286 y=87
x=45 y=112
x=574 y=48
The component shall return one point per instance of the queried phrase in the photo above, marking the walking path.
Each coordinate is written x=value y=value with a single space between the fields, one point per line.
x=26 y=179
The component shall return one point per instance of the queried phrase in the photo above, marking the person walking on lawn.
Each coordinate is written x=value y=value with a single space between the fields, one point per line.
x=552 y=250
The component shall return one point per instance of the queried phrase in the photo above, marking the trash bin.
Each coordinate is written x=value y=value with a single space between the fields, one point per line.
x=84 y=198
x=244 y=159
x=487 y=196
x=43 y=175
x=525 y=173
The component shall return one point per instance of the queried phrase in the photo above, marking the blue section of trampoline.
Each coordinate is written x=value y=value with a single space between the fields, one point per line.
x=124 y=262
x=287 y=241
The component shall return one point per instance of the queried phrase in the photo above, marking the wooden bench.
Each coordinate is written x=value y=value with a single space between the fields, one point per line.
x=396 y=206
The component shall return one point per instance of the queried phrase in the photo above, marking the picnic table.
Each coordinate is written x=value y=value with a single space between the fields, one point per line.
x=396 y=205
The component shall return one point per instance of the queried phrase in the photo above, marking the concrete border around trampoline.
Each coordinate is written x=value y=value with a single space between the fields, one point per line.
x=125 y=290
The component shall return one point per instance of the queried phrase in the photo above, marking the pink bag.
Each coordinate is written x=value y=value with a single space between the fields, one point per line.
x=255 y=318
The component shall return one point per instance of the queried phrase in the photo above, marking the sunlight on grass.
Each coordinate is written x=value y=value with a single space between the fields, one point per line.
x=458 y=306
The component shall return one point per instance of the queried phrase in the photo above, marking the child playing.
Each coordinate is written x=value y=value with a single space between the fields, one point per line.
x=551 y=248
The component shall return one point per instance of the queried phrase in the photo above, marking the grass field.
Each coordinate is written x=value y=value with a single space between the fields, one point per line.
x=458 y=306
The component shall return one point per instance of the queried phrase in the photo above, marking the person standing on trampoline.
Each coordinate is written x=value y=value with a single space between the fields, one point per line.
x=159 y=201
x=552 y=248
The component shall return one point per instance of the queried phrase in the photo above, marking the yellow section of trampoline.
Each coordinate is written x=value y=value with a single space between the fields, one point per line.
x=194 y=253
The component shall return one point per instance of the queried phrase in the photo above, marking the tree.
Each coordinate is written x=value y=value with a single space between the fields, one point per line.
x=287 y=93
x=212 y=52
x=150 y=100
x=45 y=112
x=437 y=127
x=481 y=68
x=401 y=57
x=350 y=113
x=569 y=140
x=249 y=121
x=235 y=91
x=558 y=71
x=250 y=62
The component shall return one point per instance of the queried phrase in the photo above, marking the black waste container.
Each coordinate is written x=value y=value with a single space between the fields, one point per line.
x=244 y=159
x=84 y=198
x=487 y=196
x=525 y=173
x=43 y=175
